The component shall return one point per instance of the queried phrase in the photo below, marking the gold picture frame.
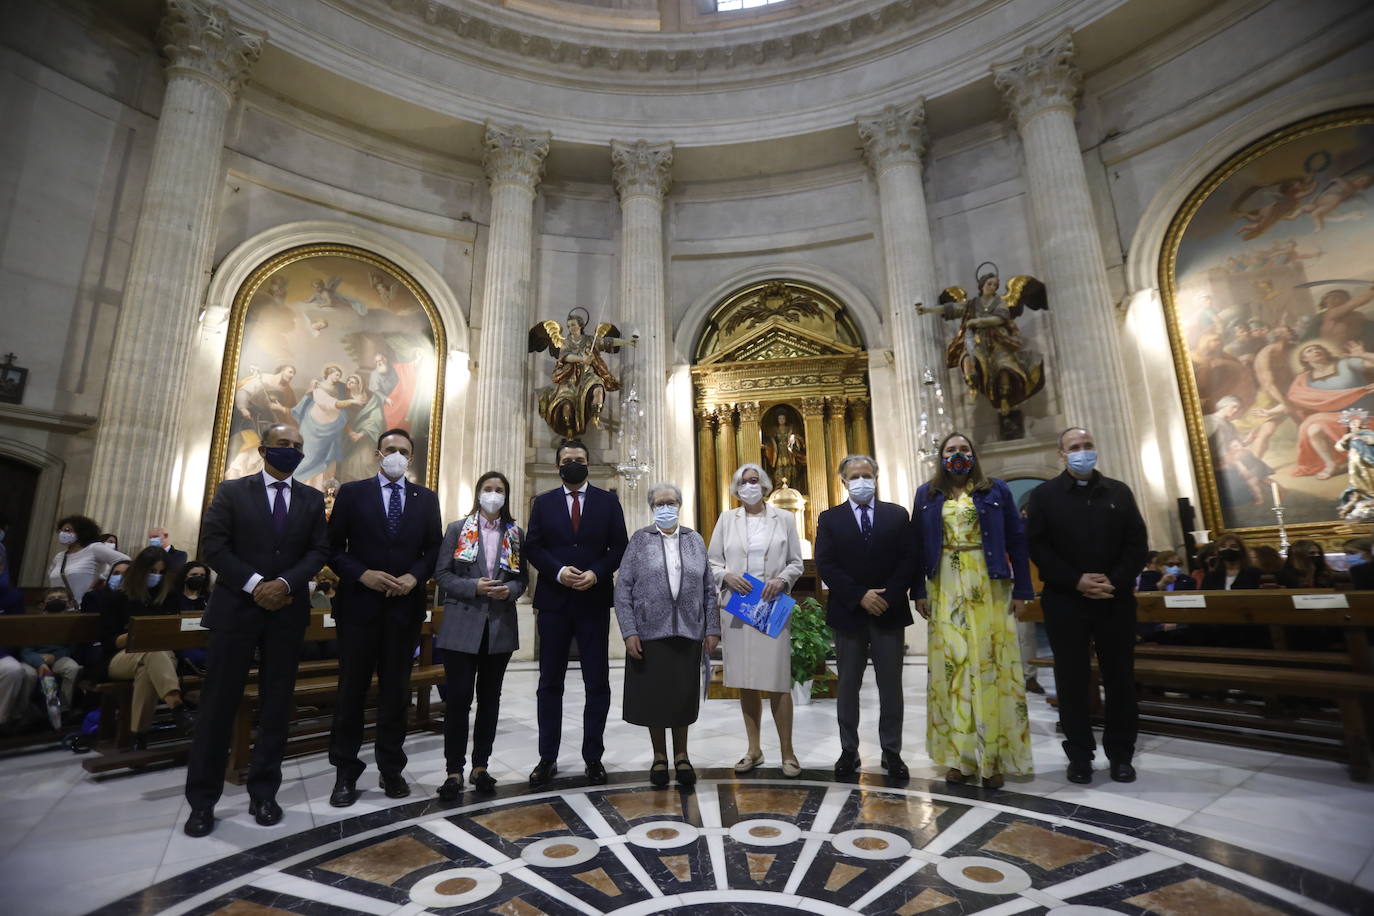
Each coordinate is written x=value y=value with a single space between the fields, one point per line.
x=1276 y=207
x=361 y=308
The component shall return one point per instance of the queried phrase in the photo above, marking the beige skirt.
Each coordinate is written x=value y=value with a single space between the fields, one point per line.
x=754 y=661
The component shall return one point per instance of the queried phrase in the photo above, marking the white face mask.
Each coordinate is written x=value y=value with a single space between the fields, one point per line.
x=750 y=493
x=66 y=537
x=491 y=501
x=862 y=488
x=665 y=517
x=394 y=465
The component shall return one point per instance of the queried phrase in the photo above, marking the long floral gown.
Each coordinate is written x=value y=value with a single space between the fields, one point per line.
x=976 y=712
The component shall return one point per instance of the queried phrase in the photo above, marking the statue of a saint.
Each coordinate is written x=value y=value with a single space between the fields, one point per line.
x=1357 y=502
x=988 y=349
x=784 y=450
x=580 y=376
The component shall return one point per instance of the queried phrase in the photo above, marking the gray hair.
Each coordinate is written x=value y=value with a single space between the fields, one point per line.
x=663 y=485
x=764 y=480
x=857 y=459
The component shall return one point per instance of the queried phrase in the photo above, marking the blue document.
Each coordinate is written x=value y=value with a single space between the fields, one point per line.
x=766 y=617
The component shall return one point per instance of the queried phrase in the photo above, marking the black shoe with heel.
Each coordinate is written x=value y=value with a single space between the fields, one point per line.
x=686 y=773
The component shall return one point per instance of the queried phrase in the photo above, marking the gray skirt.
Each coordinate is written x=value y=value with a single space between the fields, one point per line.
x=663 y=689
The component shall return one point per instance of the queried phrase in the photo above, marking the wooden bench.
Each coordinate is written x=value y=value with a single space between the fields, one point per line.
x=1273 y=676
x=38 y=629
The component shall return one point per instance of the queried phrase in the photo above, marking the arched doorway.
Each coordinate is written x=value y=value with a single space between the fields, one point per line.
x=780 y=377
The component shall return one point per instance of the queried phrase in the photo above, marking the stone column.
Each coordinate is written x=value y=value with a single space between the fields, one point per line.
x=726 y=460
x=514 y=162
x=207 y=58
x=750 y=436
x=708 y=495
x=837 y=447
x=859 y=443
x=642 y=174
x=818 y=471
x=893 y=144
x=1042 y=90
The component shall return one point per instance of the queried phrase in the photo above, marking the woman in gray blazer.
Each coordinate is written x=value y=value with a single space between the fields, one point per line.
x=482 y=572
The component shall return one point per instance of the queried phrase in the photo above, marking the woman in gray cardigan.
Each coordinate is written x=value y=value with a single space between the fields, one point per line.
x=482 y=573
x=665 y=600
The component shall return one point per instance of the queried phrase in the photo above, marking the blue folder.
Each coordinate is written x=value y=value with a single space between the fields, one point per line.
x=768 y=617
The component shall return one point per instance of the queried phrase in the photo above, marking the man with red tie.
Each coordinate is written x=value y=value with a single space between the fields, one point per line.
x=575 y=540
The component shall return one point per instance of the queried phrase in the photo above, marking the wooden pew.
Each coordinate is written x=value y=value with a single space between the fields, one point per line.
x=35 y=629
x=1345 y=678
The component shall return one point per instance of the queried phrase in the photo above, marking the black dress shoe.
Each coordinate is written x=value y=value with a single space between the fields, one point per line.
x=452 y=789
x=266 y=812
x=345 y=793
x=658 y=773
x=1081 y=773
x=895 y=767
x=847 y=765
x=596 y=773
x=185 y=722
x=686 y=773
x=1123 y=772
x=200 y=823
x=543 y=771
x=483 y=781
x=394 y=785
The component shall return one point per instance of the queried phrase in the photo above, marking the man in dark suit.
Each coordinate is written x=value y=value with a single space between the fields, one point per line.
x=265 y=536
x=864 y=555
x=576 y=538
x=384 y=536
x=160 y=537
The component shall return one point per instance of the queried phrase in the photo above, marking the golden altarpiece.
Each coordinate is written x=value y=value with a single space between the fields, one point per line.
x=780 y=378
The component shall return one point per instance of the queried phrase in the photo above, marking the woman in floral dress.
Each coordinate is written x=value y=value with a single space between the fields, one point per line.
x=973 y=576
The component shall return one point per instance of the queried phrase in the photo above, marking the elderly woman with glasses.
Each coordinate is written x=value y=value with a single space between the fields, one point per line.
x=665 y=601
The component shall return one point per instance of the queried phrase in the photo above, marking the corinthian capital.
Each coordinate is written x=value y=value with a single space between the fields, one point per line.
x=894 y=135
x=515 y=155
x=1042 y=78
x=198 y=39
x=641 y=168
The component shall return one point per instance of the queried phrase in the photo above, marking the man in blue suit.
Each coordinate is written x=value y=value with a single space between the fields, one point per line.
x=575 y=540
x=384 y=536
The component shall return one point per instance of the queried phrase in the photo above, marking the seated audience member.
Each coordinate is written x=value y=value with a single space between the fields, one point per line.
x=1167 y=576
x=190 y=592
x=1206 y=559
x=111 y=539
x=1269 y=561
x=83 y=559
x=17 y=680
x=160 y=537
x=142 y=591
x=1357 y=559
x=1146 y=570
x=323 y=588
x=56 y=668
x=1232 y=568
x=1306 y=567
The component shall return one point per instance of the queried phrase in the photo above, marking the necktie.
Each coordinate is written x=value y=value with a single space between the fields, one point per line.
x=279 y=507
x=576 y=511
x=393 y=508
x=865 y=523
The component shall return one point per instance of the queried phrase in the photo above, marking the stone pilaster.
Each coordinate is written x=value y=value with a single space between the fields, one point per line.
x=893 y=145
x=642 y=173
x=1042 y=89
x=207 y=57
x=514 y=162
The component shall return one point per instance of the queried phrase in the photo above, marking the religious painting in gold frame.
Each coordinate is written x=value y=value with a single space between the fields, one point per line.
x=1265 y=276
x=345 y=344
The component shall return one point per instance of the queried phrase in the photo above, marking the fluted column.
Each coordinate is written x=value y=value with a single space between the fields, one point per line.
x=818 y=471
x=859 y=443
x=708 y=494
x=750 y=436
x=893 y=144
x=207 y=57
x=514 y=162
x=726 y=459
x=642 y=173
x=1042 y=90
x=837 y=447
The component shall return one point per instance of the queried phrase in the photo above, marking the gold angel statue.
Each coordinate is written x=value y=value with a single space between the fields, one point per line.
x=988 y=349
x=580 y=376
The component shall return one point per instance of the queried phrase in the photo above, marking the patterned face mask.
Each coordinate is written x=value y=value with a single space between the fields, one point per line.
x=958 y=463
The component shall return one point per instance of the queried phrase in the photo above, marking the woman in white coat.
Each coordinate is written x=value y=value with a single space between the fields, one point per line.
x=760 y=540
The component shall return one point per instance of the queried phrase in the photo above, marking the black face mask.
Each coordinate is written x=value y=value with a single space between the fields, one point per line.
x=572 y=473
x=195 y=583
x=1230 y=554
x=55 y=605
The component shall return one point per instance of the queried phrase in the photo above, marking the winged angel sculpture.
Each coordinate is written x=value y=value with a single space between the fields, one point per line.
x=988 y=349
x=580 y=376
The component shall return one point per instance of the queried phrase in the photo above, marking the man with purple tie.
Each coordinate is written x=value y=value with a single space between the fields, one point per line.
x=264 y=536
x=575 y=540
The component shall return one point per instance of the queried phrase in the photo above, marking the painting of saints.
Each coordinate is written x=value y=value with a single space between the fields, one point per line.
x=321 y=418
x=1328 y=385
x=366 y=423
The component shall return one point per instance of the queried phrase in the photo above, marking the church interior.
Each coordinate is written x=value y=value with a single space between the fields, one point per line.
x=697 y=236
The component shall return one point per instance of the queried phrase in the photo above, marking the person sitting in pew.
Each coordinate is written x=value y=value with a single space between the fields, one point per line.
x=1167 y=576
x=54 y=665
x=140 y=591
x=1232 y=569
x=189 y=592
x=1270 y=562
x=323 y=588
x=1357 y=561
x=1206 y=560
x=1306 y=567
x=17 y=680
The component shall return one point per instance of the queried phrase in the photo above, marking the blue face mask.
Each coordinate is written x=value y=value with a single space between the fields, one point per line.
x=154 y=580
x=154 y=542
x=1355 y=559
x=1081 y=463
x=1173 y=570
x=115 y=581
x=665 y=517
x=862 y=489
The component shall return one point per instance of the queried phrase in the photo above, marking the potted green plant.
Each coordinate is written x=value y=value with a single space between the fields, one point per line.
x=810 y=643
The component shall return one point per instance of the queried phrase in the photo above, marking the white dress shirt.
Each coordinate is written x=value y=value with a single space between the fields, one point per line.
x=859 y=516
x=268 y=480
x=383 y=481
x=672 y=555
x=582 y=508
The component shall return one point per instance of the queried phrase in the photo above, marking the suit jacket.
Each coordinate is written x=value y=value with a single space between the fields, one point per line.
x=466 y=616
x=175 y=560
x=598 y=546
x=358 y=541
x=849 y=566
x=729 y=551
x=238 y=539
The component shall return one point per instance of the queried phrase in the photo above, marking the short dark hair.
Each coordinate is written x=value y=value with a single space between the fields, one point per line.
x=567 y=444
x=397 y=431
x=1070 y=429
x=181 y=575
x=87 y=531
x=506 y=517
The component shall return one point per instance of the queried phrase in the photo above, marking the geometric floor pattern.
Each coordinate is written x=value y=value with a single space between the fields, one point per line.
x=756 y=846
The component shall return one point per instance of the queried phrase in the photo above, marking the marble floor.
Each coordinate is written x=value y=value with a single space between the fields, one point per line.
x=1207 y=829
